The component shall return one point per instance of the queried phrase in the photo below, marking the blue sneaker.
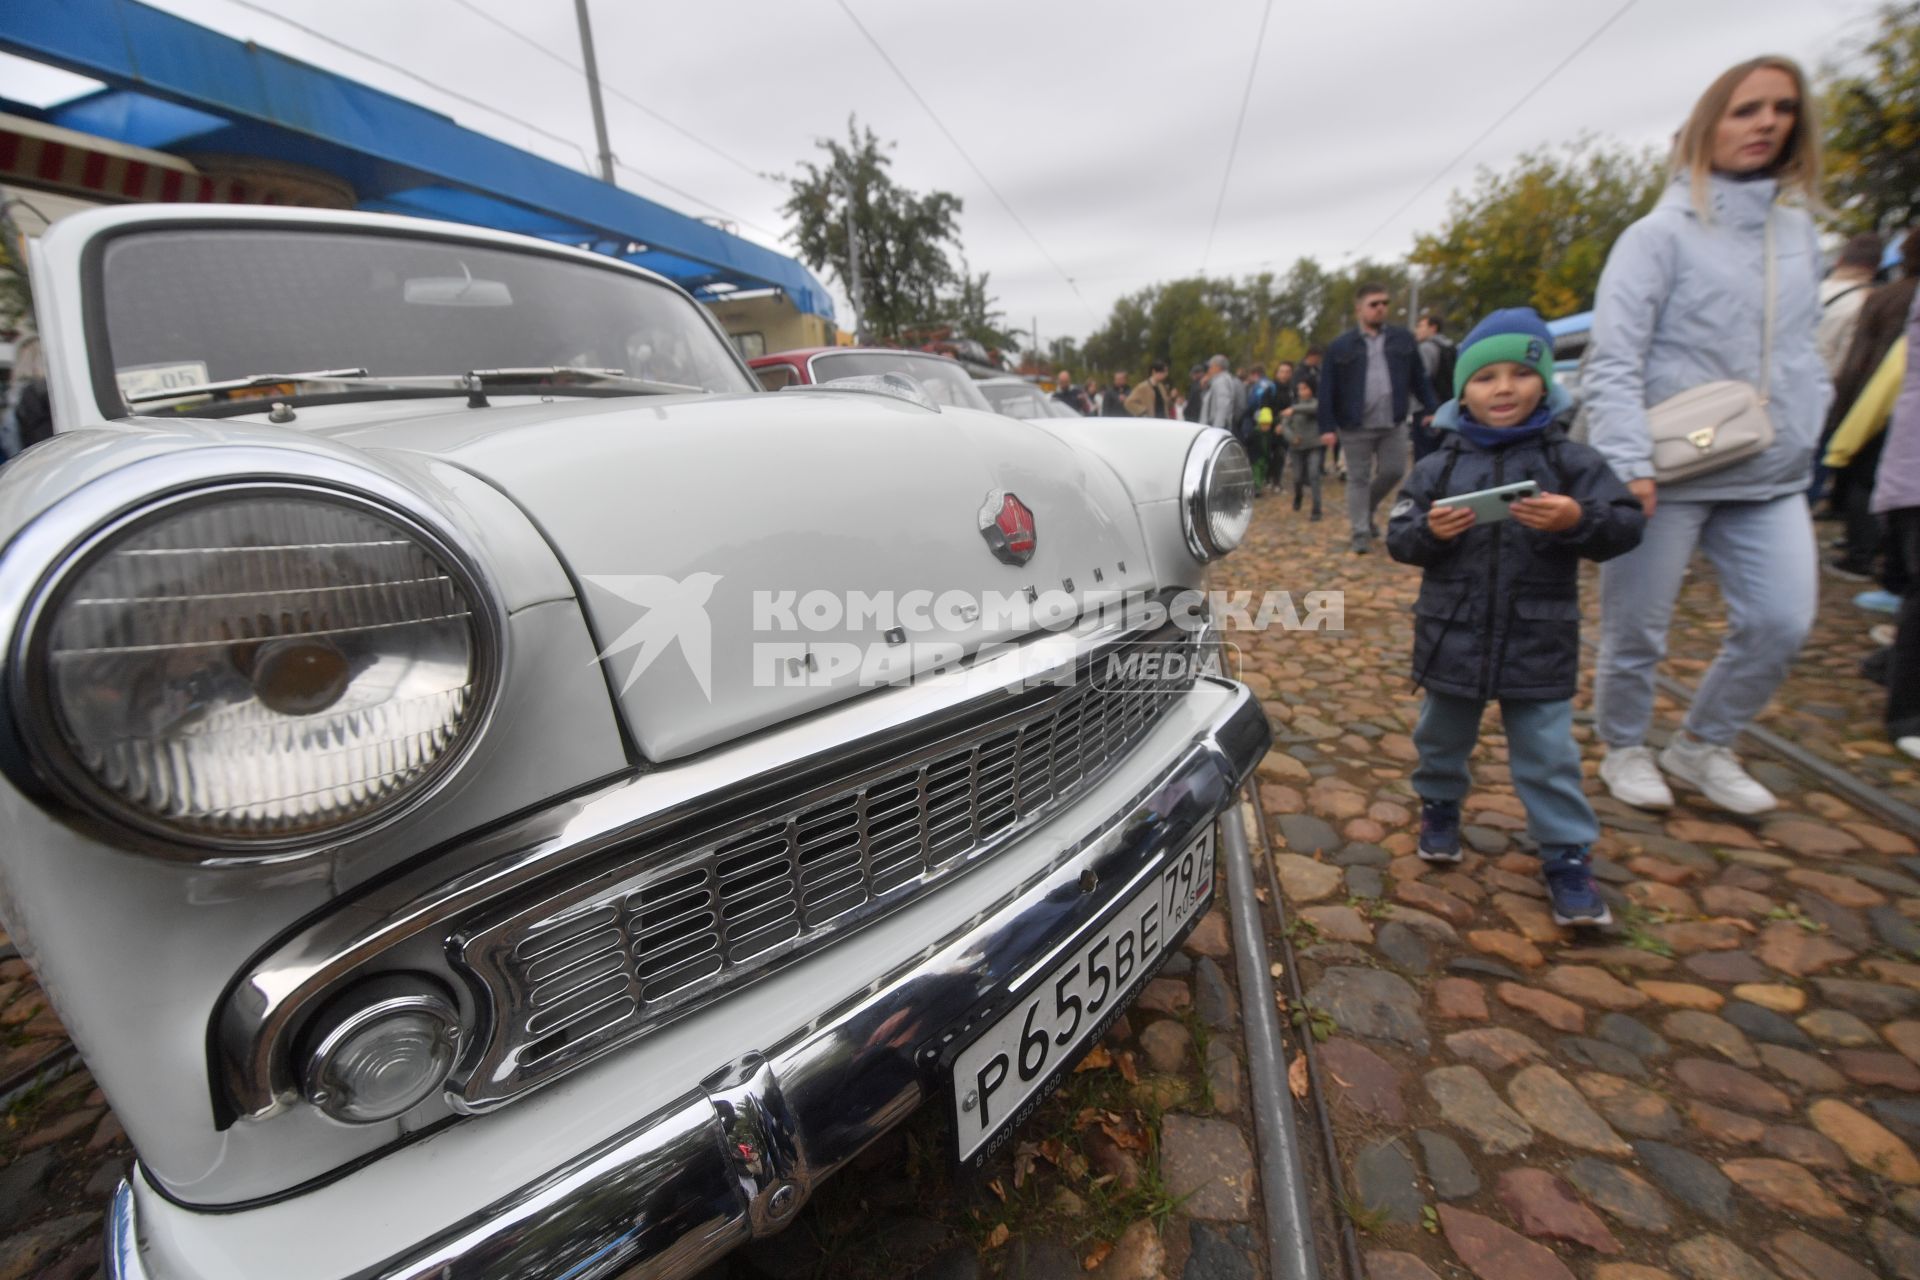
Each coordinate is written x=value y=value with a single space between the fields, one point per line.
x=1440 y=831
x=1576 y=902
x=1877 y=601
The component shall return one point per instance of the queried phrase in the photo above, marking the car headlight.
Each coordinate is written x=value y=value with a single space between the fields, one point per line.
x=254 y=667
x=1216 y=495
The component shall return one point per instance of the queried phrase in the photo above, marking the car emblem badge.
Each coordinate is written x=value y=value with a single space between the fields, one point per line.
x=1007 y=525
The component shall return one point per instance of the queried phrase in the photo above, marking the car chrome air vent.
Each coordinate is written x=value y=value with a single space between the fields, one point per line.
x=646 y=932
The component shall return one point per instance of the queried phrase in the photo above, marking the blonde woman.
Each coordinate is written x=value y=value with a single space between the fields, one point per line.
x=1681 y=303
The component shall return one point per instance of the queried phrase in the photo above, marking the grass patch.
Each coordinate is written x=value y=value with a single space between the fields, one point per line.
x=1635 y=931
x=1792 y=914
x=1367 y=1220
x=1202 y=1041
x=1318 y=1023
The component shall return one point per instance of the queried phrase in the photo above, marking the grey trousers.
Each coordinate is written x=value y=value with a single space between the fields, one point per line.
x=1764 y=556
x=1306 y=472
x=1376 y=460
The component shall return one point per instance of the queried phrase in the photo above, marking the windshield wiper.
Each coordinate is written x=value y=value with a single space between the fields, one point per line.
x=231 y=385
x=574 y=373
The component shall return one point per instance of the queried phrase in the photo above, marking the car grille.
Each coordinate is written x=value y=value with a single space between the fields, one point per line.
x=592 y=965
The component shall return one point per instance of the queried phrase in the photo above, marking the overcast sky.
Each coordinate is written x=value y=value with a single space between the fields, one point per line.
x=1105 y=126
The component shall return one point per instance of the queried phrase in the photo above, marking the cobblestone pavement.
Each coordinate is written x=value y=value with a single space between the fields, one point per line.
x=1721 y=1087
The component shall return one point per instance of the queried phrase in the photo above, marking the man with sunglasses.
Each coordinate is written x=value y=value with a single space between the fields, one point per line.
x=1373 y=374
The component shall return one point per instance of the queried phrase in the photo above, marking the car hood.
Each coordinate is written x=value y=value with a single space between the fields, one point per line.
x=722 y=545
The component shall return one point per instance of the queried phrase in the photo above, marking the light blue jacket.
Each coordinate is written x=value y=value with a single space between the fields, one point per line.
x=1681 y=304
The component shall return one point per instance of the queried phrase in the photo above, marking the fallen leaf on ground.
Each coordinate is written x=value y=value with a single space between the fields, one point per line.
x=1097 y=1057
x=1096 y=1257
x=1128 y=1072
x=998 y=1236
x=1297 y=1077
x=1127 y=1134
x=995 y=1187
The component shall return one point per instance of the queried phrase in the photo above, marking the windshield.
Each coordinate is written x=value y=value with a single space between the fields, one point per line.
x=944 y=380
x=185 y=307
x=1016 y=400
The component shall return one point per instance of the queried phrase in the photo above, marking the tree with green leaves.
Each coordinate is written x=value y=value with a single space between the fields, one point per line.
x=1538 y=234
x=1260 y=320
x=972 y=310
x=1872 y=110
x=903 y=236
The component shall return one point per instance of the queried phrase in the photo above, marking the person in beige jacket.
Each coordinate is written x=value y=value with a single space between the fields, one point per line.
x=1154 y=397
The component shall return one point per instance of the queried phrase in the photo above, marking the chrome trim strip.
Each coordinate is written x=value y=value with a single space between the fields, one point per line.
x=255 y=1024
x=123 y=1261
x=733 y=1160
x=49 y=548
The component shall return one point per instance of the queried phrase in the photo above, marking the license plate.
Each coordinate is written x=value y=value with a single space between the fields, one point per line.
x=1013 y=1066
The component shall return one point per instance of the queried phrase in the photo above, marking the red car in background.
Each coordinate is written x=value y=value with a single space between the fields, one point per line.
x=944 y=379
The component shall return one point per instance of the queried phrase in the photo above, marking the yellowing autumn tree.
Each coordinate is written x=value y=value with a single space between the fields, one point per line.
x=1872 y=108
x=1537 y=234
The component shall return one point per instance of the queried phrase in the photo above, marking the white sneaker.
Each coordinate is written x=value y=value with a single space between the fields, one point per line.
x=1910 y=745
x=1633 y=778
x=1717 y=772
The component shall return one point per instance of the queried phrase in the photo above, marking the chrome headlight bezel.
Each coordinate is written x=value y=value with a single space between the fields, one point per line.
x=48 y=554
x=1210 y=447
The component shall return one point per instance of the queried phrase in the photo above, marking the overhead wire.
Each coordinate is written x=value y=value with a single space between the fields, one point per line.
x=415 y=76
x=1233 y=148
x=978 y=172
x=1505 y=116
x=586 y=164
x=613 y=91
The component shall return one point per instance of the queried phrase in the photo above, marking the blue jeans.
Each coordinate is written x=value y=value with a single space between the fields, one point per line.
x=1541 y=754
x=1762 y=554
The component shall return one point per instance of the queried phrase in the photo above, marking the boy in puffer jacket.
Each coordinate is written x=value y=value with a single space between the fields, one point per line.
x=1499 y=613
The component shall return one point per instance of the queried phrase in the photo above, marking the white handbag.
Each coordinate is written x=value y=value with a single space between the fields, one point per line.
x=1716 y=424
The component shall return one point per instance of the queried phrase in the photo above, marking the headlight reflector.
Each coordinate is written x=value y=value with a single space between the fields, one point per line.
x=379 y=1050
x=1216 y=495
x=250 y=668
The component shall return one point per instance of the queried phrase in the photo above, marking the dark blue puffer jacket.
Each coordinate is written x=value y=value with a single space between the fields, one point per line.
x=1499 y=608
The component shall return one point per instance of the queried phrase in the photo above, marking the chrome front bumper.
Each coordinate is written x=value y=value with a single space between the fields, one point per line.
x=737 y=1158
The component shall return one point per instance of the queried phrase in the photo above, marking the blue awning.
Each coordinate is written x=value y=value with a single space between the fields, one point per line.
x=177 y=87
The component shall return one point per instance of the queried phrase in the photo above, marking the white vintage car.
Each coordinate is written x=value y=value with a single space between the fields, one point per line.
x=492 y=793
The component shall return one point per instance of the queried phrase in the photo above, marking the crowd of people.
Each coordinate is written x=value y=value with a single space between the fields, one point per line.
x=1729 y=389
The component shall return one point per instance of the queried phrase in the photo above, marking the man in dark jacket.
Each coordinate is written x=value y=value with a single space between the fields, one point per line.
x=1437 y=356
x=1196 y=393
x=1373 y=375
x=1498 y=614
x=1069 y=395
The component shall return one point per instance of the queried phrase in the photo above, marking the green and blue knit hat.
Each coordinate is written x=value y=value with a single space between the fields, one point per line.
x=1515 y=333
